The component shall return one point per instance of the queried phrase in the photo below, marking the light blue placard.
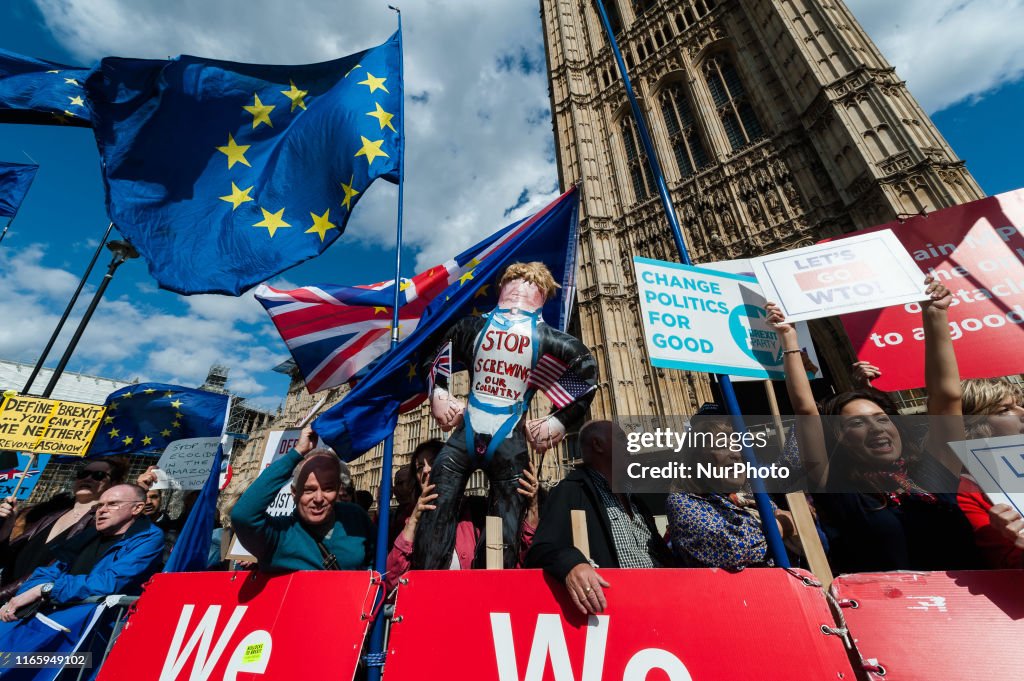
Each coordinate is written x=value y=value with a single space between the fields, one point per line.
x=699 y=319
x=9 y=478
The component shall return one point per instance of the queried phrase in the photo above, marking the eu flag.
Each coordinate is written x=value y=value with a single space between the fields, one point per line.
x=144 y=418
x=224 y=174
x=192 y=547
x=39 y=91
x=15 y=179
x=369 y=412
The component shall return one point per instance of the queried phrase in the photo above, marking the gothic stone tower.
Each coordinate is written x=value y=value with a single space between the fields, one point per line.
x=777 y=123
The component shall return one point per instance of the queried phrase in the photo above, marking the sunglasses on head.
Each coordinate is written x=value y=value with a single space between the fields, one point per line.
x=95 y=475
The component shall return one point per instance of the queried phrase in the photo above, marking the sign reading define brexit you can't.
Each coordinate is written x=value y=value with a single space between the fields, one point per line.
x=34 y=424
x=703 y=320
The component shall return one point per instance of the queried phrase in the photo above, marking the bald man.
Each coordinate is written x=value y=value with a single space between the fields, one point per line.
x=620 y=528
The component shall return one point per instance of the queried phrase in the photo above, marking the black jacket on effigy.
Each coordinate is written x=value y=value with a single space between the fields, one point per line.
x=568 y=349
x=552 y=547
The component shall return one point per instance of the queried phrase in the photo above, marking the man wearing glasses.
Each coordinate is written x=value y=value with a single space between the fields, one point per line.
x=52 y=523
x=115 y=556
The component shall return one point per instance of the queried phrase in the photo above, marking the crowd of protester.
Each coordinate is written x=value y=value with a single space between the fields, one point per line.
x=885 y=497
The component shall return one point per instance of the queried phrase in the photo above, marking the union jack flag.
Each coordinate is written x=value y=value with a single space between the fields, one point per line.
x=336 y=333
x=561 y=385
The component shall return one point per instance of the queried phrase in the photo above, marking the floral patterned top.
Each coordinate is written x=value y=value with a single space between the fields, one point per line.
x=716 y=530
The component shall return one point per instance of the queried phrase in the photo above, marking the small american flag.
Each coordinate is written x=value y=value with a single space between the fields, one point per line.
x=561 y=385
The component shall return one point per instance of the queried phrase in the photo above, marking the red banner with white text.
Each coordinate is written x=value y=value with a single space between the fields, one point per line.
x=977 y=250
x=674 y=625
x=923 y=626
x=217 y=625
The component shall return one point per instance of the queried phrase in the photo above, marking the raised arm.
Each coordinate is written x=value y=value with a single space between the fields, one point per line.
x=249 y=517
x=809 y=431
x=941 y=377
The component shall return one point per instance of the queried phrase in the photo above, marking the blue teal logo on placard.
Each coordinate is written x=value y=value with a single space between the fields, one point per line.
x=761 y=345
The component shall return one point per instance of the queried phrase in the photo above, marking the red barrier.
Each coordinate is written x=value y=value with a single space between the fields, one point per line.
x=216 y=625
x=691 y=624
x=937 y=625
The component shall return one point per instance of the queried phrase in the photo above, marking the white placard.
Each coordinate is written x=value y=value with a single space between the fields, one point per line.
x=803 y=332
x=185 y=463
x=702 y=320
x=997 y=465
x=865 y=272
x=278 y=444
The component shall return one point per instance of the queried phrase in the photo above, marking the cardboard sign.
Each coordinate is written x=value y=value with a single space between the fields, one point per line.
x=847 y=275
x=9 y=478
x=185 y=463
x=278 y=444
x=803 y=332
x=997 y=465
x=702 y=320
x=520 y=624
x=34 y=424
x=977 y=250
x=228 y=625
x=925 y=626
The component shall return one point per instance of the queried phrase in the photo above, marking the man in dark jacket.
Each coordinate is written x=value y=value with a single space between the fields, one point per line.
x=115 y=556
x=620 y=529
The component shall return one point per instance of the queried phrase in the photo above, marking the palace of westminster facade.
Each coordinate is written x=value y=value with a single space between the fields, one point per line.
x=776 y=122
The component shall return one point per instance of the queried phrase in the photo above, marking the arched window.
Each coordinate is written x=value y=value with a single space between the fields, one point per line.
x=612 y=9
x=733 y=103
x=636 y=160
x=641 y=6
x=683 y=133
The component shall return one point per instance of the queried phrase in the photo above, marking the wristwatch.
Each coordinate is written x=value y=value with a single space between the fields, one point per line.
x=45 y=590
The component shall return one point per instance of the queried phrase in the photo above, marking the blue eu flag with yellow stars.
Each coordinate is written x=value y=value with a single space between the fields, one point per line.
x=224 y=174
x=144 y=418
x=39 y=91
x=15 y=179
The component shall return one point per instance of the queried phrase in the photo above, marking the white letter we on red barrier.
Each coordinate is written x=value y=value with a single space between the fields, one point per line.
x=549 y=643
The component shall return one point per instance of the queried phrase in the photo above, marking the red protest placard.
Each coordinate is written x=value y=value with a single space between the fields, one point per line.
x=936 y=625
x=216 y=625
x=977 y=251
x=692 y=625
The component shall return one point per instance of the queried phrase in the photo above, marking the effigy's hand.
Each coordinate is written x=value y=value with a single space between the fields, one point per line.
x=446 y=409
x=545 y=433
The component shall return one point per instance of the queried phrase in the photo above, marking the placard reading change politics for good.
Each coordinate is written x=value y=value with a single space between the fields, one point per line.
x=702 y=320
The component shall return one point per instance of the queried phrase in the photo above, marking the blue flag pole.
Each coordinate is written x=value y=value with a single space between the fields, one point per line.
x=764 y=505
x=376 y=655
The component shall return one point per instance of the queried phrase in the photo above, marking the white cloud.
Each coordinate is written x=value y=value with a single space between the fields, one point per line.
x=127 y=339
x=947 y=50
x=472 y=148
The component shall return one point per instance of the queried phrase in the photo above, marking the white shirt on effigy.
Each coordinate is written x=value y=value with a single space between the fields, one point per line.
x=501 y=368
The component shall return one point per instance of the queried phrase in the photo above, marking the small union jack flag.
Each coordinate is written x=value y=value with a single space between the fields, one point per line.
x=337 y=333
x=561 y=385
x=442 y=365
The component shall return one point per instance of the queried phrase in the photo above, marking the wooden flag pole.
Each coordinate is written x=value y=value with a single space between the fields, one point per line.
x=807 y=532
x=580 y=539
x=495 y=543
x=312 y=413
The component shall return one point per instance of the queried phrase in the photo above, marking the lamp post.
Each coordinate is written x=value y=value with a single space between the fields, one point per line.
x=122 y=251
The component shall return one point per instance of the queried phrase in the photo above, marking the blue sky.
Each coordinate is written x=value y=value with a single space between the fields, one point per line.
x=480 y=152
